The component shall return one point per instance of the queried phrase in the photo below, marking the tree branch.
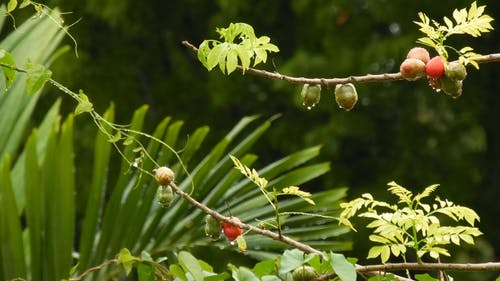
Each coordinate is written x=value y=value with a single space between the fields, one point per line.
x=333 y=81
x=275 y=236
x=488 y=266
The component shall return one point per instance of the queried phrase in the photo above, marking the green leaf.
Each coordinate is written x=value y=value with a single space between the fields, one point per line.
x=177 y=271
x=11 y=6
x=146 y=272
x=9 y=73
x=24 y=4
x=231 y=60
x=265 y=267
x=37 y=76
x=343 y=268
x=243 y=274
x=84 y=105
x=126 y=259
x=190 y=264
x=383 y=251
x=425 y=277
x=292 y=259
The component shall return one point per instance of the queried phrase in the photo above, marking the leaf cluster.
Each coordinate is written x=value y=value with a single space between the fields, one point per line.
x=411 y=223
x=472 y=22
x=239 y=44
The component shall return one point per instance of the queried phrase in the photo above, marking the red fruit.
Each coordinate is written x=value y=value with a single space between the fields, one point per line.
x=412 y=69
x=419 y=53
x=231 y=231
x=435 y=67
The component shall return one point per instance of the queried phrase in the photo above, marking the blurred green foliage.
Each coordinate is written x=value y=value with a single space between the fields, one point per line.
x=130 y=52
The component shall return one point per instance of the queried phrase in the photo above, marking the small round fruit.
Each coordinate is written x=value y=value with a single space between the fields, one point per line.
x=304 y=273
x=231 y=231
x=346 y=96
x=435 y=67
x=455 y=71
x=412 y=69
x=164 y=175
x=451 y=87
x=213 y=227
x=310 y=95
x=419 y=53
x=164 y=195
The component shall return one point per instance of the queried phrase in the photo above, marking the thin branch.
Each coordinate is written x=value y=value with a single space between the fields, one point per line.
x=333 y=81
x=301 y=246
x=390 y=267
x=275 y=236
x=488 y=266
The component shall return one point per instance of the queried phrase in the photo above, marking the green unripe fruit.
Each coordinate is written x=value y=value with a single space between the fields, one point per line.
x=412 y=69
x=455 y=71
x=212 y=227
x=346 y=96
x=164 y=195
x=304 y=273
x=451 y=87
x=310 y=95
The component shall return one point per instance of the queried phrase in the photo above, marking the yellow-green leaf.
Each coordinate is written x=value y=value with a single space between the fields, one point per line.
x=11 y=6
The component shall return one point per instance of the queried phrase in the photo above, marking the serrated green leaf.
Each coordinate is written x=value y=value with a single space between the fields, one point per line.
x=37 y=76
x=9 y=73
x=11 y=5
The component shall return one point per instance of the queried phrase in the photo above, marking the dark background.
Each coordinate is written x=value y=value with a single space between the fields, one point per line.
x=130 y=54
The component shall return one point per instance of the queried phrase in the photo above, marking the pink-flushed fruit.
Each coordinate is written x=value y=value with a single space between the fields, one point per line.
x=412 y=69
x=419 y=53
x=435 y=67
x=231 y=231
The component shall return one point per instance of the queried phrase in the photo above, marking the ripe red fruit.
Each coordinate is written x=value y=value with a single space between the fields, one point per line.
x=412 y=69
x=435 y=67
x=231 y=231
x=419 y=53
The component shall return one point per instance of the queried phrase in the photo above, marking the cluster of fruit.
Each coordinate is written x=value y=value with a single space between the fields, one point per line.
x=442 y=75
x=345 y=95
x=213 y=228
x=164 y=176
